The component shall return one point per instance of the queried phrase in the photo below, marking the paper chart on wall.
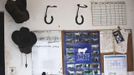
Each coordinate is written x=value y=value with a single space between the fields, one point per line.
x=115 y=65
x=46 y=54
x=108 y=12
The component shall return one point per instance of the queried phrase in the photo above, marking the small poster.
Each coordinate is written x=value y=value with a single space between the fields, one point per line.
x=115 y=65
x=47 y=54
x=106 y=41
x=82 y=53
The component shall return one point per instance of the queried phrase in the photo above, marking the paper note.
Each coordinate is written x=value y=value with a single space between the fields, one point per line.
x=109 y=44
x=122 y=46
x=115 y=65
x=106 y=41
x=47 y=55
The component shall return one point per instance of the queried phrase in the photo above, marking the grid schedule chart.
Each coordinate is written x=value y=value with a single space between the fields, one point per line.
x=108 y=13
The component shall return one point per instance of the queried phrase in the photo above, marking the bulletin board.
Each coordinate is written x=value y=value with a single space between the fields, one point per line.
x=129 y=53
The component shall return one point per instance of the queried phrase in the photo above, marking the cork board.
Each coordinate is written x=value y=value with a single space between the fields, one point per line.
x=129 y=55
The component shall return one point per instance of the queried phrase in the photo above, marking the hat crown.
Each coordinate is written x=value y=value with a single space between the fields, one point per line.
x=24 y=38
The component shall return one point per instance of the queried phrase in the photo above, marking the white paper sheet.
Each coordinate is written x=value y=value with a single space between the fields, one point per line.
x=47 y=54
x=122 y=47
x=115 y=65
x=106 y=41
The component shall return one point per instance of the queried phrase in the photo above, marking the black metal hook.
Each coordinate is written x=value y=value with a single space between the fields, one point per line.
x=45 y=18
x=82 y=18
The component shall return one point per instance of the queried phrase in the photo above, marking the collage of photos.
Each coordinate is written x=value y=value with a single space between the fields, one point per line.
x=82 y=53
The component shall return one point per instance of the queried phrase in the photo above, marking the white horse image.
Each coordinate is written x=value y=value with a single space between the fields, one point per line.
x=82 y=50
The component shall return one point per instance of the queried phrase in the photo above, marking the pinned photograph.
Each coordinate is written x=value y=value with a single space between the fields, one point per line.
x=118 y=36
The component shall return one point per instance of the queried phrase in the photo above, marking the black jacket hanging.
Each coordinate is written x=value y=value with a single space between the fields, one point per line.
x=17 y=9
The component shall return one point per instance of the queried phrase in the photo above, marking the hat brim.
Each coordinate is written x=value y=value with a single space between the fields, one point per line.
x=26 y=50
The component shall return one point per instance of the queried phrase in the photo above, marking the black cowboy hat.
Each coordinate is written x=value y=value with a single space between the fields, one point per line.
x=17 y=9
x=25 y=39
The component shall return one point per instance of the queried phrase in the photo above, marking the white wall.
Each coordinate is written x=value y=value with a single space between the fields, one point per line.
x=1 y=5
x=63 y=20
